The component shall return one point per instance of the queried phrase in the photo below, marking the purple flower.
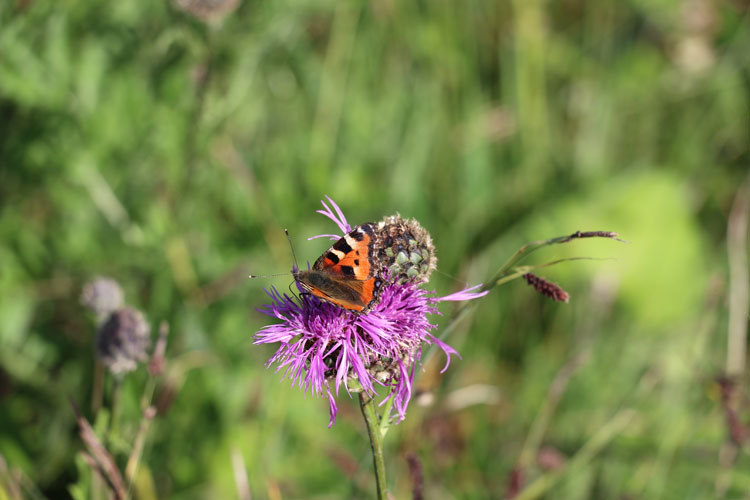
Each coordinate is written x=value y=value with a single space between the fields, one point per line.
x=323 y=347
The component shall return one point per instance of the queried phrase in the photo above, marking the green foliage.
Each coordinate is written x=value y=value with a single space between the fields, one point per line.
x=139 y=142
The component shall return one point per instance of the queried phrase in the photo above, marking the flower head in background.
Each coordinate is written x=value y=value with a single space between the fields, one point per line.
x=123 y=335
x=209 y=11
x=102 y=295
x=123 y=340
x=324 y=347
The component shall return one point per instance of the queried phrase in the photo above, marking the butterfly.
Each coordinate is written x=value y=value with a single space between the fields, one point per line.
x=348 y=274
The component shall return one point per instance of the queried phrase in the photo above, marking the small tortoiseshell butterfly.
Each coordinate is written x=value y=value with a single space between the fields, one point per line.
x=347 y=274
x=353 y=271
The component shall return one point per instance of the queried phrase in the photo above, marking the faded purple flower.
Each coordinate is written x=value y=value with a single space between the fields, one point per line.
x=123 y=341
x=102 y=295
x=323 y=347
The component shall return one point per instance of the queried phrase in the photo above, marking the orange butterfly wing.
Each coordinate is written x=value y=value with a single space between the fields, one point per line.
x=346 y=274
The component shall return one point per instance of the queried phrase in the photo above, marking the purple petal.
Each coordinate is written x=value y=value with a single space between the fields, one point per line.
x=340 y=214
x=338 y=217
x=343 y=367
x=448 y=350
x=332 y=409
x=465 y=294
x=329 y=236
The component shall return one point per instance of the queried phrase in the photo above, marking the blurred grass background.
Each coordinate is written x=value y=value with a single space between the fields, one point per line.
x=140 y=141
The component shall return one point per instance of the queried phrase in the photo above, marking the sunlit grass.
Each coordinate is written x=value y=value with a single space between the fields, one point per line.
x=140 y=143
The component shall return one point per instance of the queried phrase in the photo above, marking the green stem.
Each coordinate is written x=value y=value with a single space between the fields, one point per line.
x=509 y=272
x=367 y=405
x=585 y=455
x=506 y=273
x=114 y=410
x=97 y=394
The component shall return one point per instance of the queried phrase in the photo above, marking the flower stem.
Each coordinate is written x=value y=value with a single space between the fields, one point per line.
x=528 y=248
x=97 y=394
x=114 y=410
x=509 y=272
x=367 y=404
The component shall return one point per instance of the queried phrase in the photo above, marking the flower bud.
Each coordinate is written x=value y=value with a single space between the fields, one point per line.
x=547 y=288
x=405 y=249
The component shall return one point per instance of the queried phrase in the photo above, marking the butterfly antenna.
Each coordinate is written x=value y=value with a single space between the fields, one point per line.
x=294 y=256
x=267 y=275
x=286 y=231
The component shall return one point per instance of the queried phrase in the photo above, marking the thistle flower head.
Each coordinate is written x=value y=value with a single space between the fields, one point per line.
x=102 y=295
x=323 y=347
x=123 y=340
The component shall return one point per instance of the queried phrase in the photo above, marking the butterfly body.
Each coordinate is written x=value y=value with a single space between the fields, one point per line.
x=348 y=274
